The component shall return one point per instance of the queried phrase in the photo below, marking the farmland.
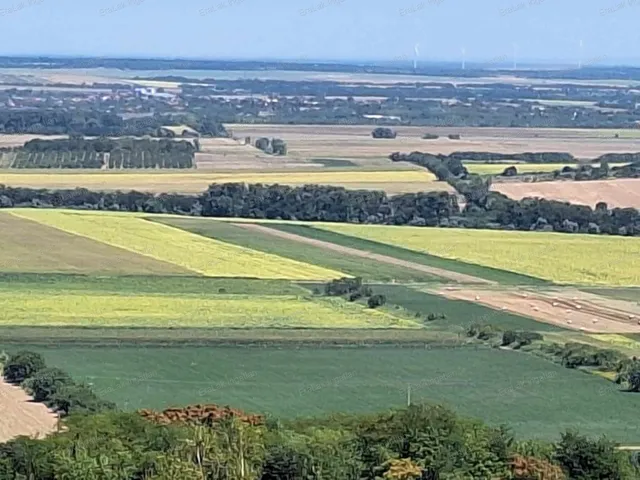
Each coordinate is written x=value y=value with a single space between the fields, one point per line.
x=355 y=142
x=490 y=384
x=93 y=309
x=616 y=193
x=393 y=181
x=192 y=252
x=29 y=246
x=574 y=259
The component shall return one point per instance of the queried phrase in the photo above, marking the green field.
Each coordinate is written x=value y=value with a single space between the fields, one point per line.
x=535 y=397
x=500 y=276
x=355 y=266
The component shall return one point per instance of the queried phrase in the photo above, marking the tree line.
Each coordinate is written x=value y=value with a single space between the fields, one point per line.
x=484 y=209
x=487 y=209
x=79 y=152
x=418 y=442
x=96 y=123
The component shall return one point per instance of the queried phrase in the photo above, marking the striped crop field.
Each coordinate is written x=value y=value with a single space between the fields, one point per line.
x=31 y=247
x=498 y=168
x=197 y=254
x=561 y=258
x=197 y=181
x=99 y=309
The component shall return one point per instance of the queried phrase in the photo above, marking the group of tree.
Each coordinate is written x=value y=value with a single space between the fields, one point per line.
x=354 y=289
x=487 y=209
x=484 y=209
x=273 y=146
x=52 y=386
x=98 y=123
x=570 y=354
x=126 y=152
x=416 y=443
x=383 y=132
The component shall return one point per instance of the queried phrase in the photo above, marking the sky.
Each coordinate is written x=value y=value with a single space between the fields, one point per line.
x=486 y=30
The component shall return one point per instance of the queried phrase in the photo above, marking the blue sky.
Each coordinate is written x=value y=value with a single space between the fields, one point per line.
x=544 y=30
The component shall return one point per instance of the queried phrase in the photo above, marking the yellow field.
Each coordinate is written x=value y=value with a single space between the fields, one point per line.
x=193 y=252
x=562 y=258
x=617 y=340
x=196 y=181
x=73 y=309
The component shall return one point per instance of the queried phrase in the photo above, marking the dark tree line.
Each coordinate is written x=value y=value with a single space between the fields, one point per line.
x=127 y=152
x=487 y=209
x=96 y=123
x=483 y=209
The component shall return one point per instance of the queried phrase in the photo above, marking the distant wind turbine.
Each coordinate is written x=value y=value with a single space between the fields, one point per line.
x=416 y=50
x=581 y=54
x=464 y=57
x=515 y=56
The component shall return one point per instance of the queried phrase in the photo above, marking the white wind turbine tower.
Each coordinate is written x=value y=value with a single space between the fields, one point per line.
x=581 y=54
x=515 y=56
x=464 y=57
x=416 y=50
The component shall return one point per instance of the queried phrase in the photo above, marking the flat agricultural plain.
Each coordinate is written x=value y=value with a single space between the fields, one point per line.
x=196 y=181
x=231 y=311
x=491 y=384
x=351 y=141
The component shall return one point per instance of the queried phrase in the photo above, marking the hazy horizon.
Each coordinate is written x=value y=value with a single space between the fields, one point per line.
x=592 y=32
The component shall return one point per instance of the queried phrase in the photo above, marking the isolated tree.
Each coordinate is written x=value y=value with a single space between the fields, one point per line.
x=383 y=132
x=510 y=171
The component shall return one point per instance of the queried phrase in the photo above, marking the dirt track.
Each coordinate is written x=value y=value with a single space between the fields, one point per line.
x=567 y=309
x=456 y=277
x=20 y=416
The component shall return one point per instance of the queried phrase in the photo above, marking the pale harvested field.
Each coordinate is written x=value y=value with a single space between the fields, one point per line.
x=21 y=139
x=566 y=308
x=355 y=141
x=193 y=181
x=29 y=246
x=617 y=193
x=20 y=416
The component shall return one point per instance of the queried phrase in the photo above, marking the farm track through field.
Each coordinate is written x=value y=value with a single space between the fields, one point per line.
x=559 y=308
x=446 y=274
x=21 y=416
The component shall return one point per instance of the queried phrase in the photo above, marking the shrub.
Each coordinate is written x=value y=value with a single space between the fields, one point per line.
x=44 y=384
x=430 y=136
x=23 y=365
x=376 y=301
x=382 y=132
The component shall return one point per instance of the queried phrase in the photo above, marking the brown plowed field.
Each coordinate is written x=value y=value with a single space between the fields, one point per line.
x=617 y=193
x=439 y=272
x=566 y=308
x=21 y=416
